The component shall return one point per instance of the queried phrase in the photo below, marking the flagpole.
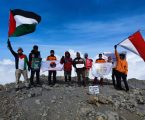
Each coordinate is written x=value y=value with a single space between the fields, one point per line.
x=9 y=23
x=127 y=37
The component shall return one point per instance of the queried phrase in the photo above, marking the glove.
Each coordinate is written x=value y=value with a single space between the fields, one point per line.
x=115 y=46
x=62 y=58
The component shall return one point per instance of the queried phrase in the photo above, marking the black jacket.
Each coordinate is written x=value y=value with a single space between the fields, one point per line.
x=78 y=61
x=17 y=57
x=34 y=55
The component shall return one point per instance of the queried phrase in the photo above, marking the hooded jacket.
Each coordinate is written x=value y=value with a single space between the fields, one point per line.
x=67 y=61
x=32 y=55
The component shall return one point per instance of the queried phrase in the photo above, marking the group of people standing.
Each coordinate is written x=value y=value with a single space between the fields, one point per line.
x=81 y=65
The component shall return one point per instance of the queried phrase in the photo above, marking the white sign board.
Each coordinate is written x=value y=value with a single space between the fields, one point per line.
x=80 y=66
x=93 y=90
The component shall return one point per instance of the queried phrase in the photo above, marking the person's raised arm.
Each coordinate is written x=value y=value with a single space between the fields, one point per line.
x=62 y=60
x=116 y=53
x=10 y=48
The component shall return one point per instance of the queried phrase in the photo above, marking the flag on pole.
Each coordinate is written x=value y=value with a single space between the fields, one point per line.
x=135 y=43
x=22 y=22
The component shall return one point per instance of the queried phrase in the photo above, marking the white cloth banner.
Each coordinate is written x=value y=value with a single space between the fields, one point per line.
x=101 y=69
x=51 y=65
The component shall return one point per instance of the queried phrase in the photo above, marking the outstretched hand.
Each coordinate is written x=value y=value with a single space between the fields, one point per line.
x=62 y=57
x=115 y=46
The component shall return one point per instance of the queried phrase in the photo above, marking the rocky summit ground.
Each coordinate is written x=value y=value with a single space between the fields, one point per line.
x=70 y=102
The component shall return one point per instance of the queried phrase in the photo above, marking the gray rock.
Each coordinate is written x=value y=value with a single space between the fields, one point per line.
x=104 y=100
x=112 y=115
x=122 y=118
x=1 y=87
x=101 y=116
x=53 y=101
x=31 y=95
x=46 y=87
x=140 y=100
x=38 y=102
x=1 y=118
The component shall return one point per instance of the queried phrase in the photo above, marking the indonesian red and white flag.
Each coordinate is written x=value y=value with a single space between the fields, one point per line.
x=135 y=43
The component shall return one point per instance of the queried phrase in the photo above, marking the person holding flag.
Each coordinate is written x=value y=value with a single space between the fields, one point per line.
x=21 y=63
x=134 y=43
x=21 y=22
x=35 y=62
x=121 y=70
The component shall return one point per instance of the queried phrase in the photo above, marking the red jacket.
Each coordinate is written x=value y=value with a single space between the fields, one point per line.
x=67 y=61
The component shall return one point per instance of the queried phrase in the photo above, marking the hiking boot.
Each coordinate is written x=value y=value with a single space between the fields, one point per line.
x=95 y=82
x=101 y=82
x=49 y=83
x=65 y=78
x=84 y=83
x=69 y=79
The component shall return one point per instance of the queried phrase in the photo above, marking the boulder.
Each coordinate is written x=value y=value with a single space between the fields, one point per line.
x=38 y=101
x=140 y=100
x=112 y=115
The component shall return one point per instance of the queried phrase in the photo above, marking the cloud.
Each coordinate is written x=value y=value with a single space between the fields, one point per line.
x=136 y=66
x=7 y=71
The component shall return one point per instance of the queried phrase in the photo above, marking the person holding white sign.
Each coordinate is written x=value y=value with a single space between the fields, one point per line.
x=52 y=64
x=79 y=65
x=35 y=64
x=99 y=60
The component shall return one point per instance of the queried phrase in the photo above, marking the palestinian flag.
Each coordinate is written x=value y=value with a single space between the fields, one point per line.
x=22 y=22
x=135 y=43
